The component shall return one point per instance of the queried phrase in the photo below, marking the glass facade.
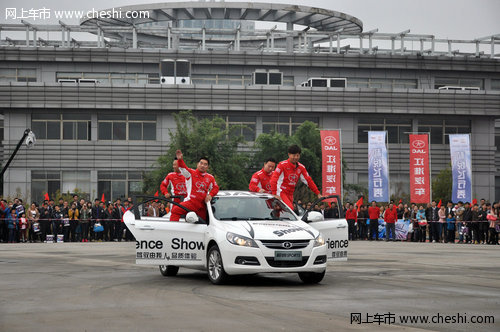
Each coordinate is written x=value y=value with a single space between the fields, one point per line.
x=118 y=184
x=17 y=75
x=397 y=129
x=133 y=127
x=61 y=126
x=107 y=78
x=57 y=181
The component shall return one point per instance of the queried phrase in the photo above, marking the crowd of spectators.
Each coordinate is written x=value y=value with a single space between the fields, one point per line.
x=84 y=221
x=75 y=221
x=432 y=222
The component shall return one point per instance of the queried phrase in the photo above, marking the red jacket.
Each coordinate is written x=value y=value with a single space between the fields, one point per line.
x=198 y=184
x=373 y=212
x=286 y=176
x=260 y=180
x=177 y=183
x=351 y=214
x=391 y=216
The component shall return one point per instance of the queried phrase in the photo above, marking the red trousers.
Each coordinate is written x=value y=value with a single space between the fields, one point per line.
x=196 y=206
x=287 y=198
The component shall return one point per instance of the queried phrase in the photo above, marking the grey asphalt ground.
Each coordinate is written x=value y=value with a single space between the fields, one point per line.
x=98 y=287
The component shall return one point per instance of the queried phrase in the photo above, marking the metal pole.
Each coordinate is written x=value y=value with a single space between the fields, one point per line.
x=26 y=132
x=134 y=37
x=169 y=45
x=492 y=55
x=203 y=38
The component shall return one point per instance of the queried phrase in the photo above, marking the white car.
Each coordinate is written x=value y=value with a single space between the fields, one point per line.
x=246 y=233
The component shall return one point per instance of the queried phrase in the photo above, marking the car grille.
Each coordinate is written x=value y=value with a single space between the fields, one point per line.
x=278 y=244
x=274 y=263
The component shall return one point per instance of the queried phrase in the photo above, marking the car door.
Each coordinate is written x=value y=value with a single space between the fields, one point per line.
x=336 y=237
x=163 y=242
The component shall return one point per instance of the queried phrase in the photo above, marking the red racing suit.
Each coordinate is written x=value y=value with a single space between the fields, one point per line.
x=177 y=183
x=198 y=185
x=261 y=180
x=286 y=176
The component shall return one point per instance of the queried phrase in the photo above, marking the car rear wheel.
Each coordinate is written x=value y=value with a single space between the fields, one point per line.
x=311 y=277
x=169 y=270
x=215 y=267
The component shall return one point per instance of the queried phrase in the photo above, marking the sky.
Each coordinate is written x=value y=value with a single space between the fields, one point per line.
x=454 y=19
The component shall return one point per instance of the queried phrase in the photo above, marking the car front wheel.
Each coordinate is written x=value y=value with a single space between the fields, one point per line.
x=169 y=270
x=215 y=267
x=311 y=277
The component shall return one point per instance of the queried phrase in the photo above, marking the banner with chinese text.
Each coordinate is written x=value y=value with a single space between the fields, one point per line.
x=420 y=186
x=461 y=167
x=332 y=163
x=378 y=167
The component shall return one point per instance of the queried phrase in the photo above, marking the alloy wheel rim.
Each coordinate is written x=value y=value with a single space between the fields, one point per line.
x=214 y=265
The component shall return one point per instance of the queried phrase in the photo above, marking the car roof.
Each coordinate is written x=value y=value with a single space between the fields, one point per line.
x=241 y=193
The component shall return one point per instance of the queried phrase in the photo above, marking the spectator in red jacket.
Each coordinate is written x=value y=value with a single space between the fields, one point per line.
x=351 y=215
x=390 y=218
x=374 y=214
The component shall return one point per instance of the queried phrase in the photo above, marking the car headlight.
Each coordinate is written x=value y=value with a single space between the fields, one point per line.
x=319 y=241
x=240 y=240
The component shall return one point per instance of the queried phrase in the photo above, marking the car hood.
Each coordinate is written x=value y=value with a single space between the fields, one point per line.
x=272 y=229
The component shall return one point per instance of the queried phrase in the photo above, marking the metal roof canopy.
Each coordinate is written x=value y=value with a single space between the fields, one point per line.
x=317 y=18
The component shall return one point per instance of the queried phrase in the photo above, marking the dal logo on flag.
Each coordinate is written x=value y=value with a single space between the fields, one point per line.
x=332 y=162
x=420 y=187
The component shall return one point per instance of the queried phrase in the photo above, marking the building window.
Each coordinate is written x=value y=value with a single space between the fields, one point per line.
x=238 y=124
x=133 y=127
x=440 y=129
x=45 y=182
x=495 y=84
x=17 y=75
x=117 y=78
x=118 y=184
x=267 y=77
x=73 y=181
x=458 y=82
x=234 y=80
x=386 y=83
x=285 y=124
x=67 y=126
x=53 y=182
x=455 y=127
x=397 y=129
x=245 y=126
x=434 y=128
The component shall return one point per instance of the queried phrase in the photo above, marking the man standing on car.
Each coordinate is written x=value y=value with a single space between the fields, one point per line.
x=177 y=183
x=287 y=175
x=203 y=188
x=261 y=180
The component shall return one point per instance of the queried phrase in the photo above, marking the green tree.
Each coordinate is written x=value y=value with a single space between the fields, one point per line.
x=275 y=145
x=207 y=137
x=442 y=185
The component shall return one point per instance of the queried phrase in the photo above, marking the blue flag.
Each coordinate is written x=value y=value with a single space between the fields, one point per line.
x=461 y=167
x=378 y=167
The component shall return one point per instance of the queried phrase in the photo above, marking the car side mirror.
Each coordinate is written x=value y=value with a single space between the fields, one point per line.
x=314 y=216
x=192 y=217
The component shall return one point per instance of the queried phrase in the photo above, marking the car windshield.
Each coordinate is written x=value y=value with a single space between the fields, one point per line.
x=251 y=208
